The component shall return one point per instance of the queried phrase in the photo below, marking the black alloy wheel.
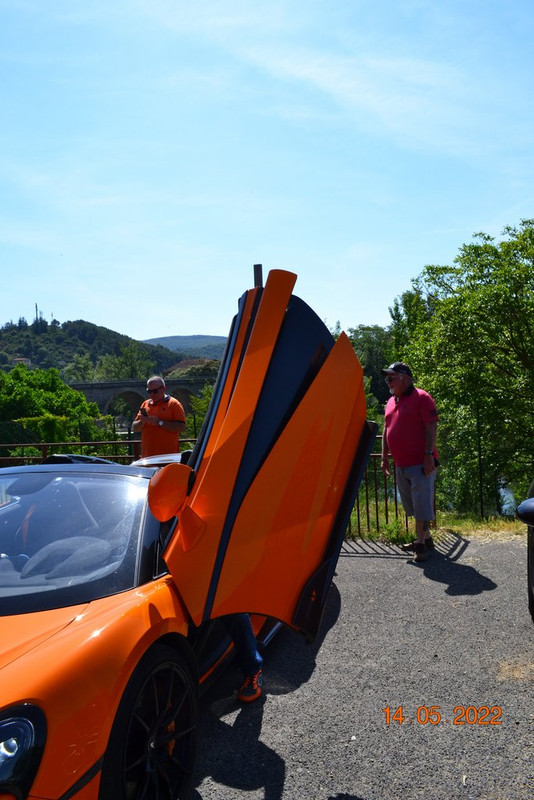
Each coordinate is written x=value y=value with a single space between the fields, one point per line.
x=152 y=747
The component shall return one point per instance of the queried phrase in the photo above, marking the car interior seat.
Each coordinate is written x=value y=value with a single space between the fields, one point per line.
x=57 y=512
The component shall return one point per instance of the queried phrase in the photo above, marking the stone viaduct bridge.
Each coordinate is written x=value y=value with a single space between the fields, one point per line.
x=134 y=392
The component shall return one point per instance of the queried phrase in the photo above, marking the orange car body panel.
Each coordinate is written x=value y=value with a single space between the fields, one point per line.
x=284 y=544
x=20 y=634
x=80 y=703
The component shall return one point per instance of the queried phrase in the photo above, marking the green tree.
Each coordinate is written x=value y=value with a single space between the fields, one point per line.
x=37 y=405
x=475 y=353
x=410 y=312
x=199 y=409
x=132 y=363
x=373 y=346
x=80 y=369
x=32 y=393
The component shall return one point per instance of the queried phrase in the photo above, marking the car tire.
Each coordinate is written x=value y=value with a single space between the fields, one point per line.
x=152 y=747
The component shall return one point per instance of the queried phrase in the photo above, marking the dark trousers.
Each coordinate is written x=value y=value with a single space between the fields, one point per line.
x=240 y=631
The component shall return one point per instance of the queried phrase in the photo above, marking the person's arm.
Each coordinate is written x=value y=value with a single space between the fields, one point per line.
x=139 y=421
x=174 y=425
x=431 y=433
x=177 y=422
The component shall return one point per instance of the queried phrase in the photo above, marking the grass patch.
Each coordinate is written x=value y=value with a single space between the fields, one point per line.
x=392 y=531
x=469 y=525
x=395 y=531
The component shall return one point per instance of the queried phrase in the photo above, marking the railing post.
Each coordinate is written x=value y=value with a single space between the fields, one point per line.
x=377 y=512
x=367 y=500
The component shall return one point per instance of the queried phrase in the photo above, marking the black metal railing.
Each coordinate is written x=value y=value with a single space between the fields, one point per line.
x=376 y=511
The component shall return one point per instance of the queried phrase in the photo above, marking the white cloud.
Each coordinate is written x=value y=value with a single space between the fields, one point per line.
x=417 y=102
x=415 y=90
x=220 y=17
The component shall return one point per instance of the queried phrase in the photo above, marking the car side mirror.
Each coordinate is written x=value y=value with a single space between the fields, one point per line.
x=525 y=511
x=168 y=490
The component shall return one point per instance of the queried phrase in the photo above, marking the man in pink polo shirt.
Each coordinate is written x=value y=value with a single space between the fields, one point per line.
x=410 y=431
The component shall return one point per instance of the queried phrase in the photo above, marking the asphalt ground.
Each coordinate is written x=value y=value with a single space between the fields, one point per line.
x=453 y=633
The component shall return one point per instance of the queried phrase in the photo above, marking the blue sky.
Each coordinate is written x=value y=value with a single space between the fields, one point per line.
x=151 y=151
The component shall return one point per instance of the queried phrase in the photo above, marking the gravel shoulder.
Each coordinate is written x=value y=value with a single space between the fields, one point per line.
x=453 y=632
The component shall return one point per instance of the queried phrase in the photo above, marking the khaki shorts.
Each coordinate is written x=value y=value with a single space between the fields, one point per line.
x=416 y=492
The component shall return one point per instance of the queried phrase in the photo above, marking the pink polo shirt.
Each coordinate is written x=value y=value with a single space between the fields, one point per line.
x=406 y=418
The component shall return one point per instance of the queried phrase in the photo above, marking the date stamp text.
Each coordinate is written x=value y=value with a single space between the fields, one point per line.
x=434 y=715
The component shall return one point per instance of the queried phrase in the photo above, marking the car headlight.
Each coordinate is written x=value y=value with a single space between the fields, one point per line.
x=22 y=740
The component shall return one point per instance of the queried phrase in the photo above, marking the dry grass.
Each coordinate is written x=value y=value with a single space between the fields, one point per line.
x=467 y=526
x=493 y=528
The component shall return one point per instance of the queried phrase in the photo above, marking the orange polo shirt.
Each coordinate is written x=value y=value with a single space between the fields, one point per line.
x=156 y=440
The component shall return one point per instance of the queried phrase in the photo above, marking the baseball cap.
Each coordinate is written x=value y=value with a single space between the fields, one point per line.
x=397 y=366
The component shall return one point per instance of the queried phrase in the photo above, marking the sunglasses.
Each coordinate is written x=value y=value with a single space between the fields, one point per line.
x=390 y=378
x=154 y=391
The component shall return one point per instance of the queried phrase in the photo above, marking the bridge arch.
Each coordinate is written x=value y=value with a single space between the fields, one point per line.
x=104 y=393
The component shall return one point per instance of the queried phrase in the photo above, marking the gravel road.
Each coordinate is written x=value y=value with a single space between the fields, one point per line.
x=453 y=632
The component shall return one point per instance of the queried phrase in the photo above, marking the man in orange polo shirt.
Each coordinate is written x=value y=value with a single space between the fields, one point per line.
x=160 y=420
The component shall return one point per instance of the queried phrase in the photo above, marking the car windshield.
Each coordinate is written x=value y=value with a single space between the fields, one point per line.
x=67 y=538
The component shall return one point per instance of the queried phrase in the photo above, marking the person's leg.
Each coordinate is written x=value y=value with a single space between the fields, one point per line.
x=247 y=655
x=423 y=500
x=417 y=496
x=249 y=659
x=422 y=530
x=423 y=542
x=404 y=488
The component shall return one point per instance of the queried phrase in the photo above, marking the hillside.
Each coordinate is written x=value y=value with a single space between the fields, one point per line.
x=197 y=346
x=57 y=345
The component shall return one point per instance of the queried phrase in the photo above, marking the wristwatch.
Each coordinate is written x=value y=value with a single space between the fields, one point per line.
x=160 y=423
x=427 y=452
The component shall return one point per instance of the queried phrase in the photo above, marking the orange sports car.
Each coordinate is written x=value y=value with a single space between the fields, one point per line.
x=115 y=580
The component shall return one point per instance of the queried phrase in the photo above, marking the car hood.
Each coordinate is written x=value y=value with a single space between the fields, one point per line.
x=21 y=633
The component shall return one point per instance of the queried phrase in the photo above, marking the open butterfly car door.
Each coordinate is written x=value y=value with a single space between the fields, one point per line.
x=264 y=501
